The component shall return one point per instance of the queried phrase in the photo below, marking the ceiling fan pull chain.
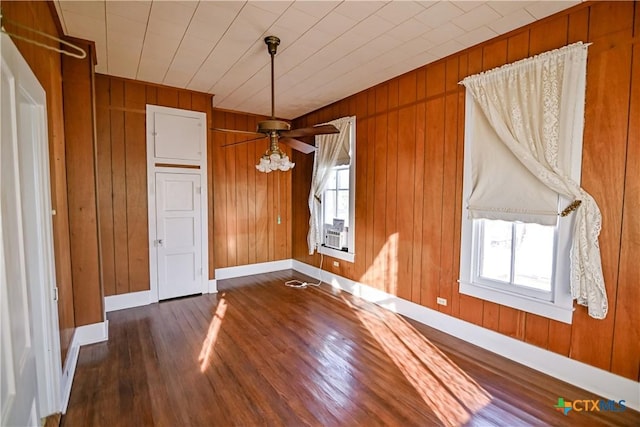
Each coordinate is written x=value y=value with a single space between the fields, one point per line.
x=279 y=219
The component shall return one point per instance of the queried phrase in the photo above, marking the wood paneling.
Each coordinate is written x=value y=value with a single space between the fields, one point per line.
x=116 y=168
x=626 y=333
x=605 y=146
x=105 y=200
x=135 y=170
x=448 y=274
x=252 y=219
x=122 y=163
x=229 y=156
x=47 y=67
x=416 y=241
x=425 y=130
x=243 y=203
x=405 y=196
x=77 y=79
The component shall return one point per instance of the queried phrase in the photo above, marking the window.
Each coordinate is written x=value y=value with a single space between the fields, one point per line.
x=335 y=200
x=520 y=265
x=338 y=207
x=515 y=256
x=523 y=146
x=517 y=264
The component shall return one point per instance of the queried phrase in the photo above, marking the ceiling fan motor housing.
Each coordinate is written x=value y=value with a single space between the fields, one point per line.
x=268 y=126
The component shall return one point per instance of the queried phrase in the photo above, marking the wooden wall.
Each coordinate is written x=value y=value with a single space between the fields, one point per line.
x=46 y=65
x=122 y=172
x=252 y=209
x=78 y=102
x=243 y=203
x=409 y=161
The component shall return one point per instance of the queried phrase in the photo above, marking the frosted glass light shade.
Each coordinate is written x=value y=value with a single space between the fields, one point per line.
x=274 y=161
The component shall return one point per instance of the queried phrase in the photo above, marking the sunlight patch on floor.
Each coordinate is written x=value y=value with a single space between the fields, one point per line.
x=451 y=394
x=206 y=353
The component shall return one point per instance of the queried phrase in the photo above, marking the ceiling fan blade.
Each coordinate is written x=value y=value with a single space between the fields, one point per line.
x=298 y=145
x=243 y=142
x=310 y=131
x=246 y=132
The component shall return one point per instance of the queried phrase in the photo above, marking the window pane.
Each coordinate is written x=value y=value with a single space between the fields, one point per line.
x=495 y=250
x=343 y=179
x=533 y=256
x=332 y=179
x=329 y=204
x=343 y=206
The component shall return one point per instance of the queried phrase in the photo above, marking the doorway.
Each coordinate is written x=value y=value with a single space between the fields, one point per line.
x=176 y=171
x=30 y=365
x=178 y=243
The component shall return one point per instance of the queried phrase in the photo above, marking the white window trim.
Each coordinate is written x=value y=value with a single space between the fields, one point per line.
x=350 y=255
x=560 y=307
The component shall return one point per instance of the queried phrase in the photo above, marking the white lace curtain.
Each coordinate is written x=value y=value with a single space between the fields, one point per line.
x=333 y=150
x=536 y=107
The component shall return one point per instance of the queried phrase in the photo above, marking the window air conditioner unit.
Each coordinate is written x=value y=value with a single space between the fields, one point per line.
x=335 y=238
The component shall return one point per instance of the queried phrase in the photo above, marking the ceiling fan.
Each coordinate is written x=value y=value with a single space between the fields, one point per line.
x=279 y=131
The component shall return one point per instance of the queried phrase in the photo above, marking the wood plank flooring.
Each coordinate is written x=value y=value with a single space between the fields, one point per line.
x=260 y=353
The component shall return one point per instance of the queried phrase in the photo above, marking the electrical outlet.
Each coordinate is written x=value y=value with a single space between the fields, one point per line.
x=336 y=264
x=441 y=301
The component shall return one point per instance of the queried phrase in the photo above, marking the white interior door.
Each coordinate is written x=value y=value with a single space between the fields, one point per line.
x=30 y=364
x=178 y=235
x=19 y=384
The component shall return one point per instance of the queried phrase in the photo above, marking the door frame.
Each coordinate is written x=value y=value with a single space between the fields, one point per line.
x=178 y=166
x=34 y=156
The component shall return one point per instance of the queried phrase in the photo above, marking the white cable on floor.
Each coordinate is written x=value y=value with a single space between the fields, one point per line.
x=302 y=285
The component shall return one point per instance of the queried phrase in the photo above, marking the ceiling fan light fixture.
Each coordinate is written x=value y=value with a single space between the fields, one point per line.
x=274 y=160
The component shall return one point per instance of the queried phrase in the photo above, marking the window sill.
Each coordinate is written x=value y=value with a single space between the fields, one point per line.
x=530 y=305
x=345 y=256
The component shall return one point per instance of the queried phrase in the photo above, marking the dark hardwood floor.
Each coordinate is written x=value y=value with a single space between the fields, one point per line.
x=261 y=353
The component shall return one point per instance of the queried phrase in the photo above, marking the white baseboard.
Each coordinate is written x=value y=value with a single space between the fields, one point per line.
x=67 y=374
x=251 y=269
x=83 y=335
x=598 y=381
x=213 y=286
x=128 y=300
x=92 y=334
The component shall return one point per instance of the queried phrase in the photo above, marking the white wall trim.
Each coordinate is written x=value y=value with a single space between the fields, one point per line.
x=213 y=286
x=128 y=300
x=83 y=335
x=251 y=269
x=581 y=375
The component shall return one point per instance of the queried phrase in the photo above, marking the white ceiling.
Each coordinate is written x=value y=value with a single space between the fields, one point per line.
x=329 y=49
